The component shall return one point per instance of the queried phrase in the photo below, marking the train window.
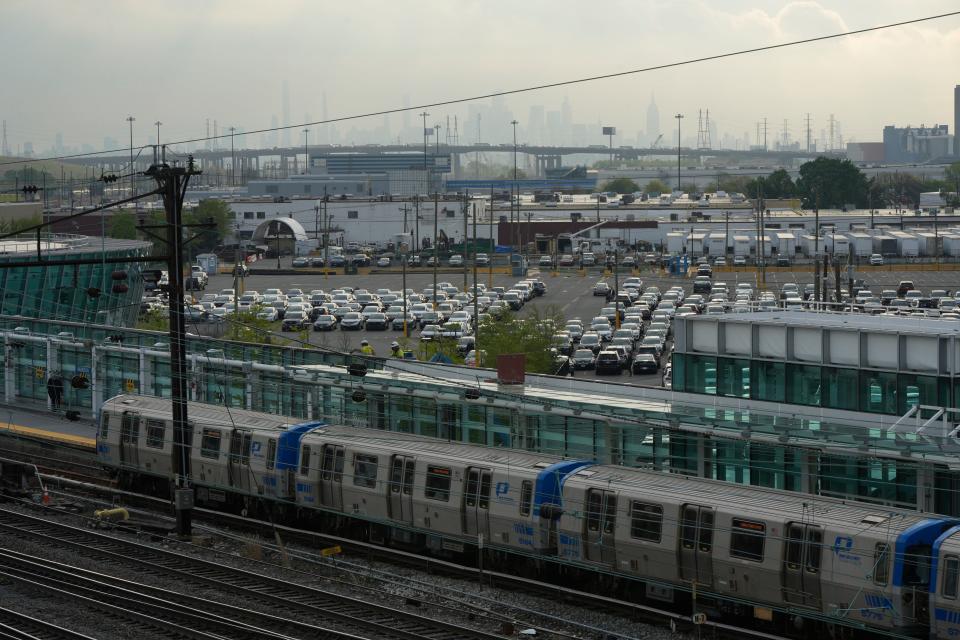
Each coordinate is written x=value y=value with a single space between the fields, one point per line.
x=881 y=563
x=104 y=424
x=305 y=460
x=609 y=512
x=338 y=466
x=746 y=539
x=129 y=428
x=271 y=453
x=526 y=497
x=951 y=571
x=470 y=495
x=210 y=444
x=484 y=498
x=365 y=470
x=327 y=464
x=396 y=474
x=236 y=441
x=594 y=510
x=646 y=521
x=688 y=528
x=705 y=542
x=409 y=471
x=245 y=452
x=794 y=546
x=438 y=483
x=814 y=546
x=156 y=433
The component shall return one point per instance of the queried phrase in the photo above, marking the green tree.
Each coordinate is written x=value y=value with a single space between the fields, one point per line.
x=779 y=185
x=530 y=334
x=123 y=226
x=13 y=226
x=245 y=326
x=216 y=210
x=836 y=182
x=621 y=185
x=657 y=186
x=154 y=320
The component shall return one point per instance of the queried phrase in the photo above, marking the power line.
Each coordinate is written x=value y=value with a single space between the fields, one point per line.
x=539 y=87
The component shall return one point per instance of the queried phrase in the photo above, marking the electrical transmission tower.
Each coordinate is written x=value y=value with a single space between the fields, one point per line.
x=830 y=140
x=700 y=129
x=785 y=142
x=764 y=134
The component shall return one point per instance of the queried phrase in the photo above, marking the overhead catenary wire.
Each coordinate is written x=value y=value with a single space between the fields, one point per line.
x=534 y=87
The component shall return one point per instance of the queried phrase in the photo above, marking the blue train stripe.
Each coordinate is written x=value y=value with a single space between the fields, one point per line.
x=549 y=486
x=288 y=445
x=924 y=532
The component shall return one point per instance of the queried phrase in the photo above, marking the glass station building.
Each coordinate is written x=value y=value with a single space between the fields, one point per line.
x=909 y=461
x=83 y=293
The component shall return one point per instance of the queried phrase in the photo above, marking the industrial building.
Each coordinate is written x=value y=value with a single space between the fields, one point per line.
x=916 y=144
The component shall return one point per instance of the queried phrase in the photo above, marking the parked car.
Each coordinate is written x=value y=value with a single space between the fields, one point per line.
x=482 y=260
x=301 y=262
x=545 y=261
x=601 y=289
x=608 y=362
x=566 y=260
x=456 y=260
x=376 y=321
x=295 y=321
x=583 y=359
x=876 y=260
x=430 y=332
x=383 y=261
x=739 y=261
x=591 y=340
x=325 y=322
x=352 y=321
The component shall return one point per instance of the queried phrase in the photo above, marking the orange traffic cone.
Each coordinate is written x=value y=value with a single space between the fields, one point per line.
x=46 y=498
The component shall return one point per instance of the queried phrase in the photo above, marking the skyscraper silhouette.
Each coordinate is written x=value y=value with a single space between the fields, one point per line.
x=653 y=121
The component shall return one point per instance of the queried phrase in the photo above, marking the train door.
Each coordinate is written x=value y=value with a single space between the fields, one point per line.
x=476 y=503
x=696 y=544
x=600 y=525
x=331 y=477
x=402 y=472
x=801 y=564
x=239 y=460
x=130 y=439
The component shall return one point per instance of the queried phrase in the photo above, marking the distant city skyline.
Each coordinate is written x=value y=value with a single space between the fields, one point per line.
x=215 y=82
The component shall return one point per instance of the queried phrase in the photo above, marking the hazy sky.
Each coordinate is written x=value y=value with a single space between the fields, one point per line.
x=80 y=67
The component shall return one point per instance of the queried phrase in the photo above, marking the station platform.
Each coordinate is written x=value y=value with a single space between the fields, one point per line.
x=49 y=426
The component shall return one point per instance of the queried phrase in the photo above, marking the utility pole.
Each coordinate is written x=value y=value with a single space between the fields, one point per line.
x=493 y=244
x=133 y=186
x=306 y=150
x=436 y=241
x=816 y=246
x=426 y=174
x=516 y=225
x=765 y=134
x=172 y=182
x=416 y=223
x=233 y=160
x=466 y=213
x=404 y=253
x=476 y=310
x=678 y=117
x=808 y=133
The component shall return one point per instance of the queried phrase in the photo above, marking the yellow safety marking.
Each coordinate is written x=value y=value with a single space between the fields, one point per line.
x=48 y=435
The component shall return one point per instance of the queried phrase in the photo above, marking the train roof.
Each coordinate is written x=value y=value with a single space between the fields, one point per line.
x=200 y=413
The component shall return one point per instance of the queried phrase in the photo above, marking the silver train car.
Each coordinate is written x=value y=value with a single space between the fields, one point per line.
x=780 y=558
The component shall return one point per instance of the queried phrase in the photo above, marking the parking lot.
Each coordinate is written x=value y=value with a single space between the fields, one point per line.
x=569 y=293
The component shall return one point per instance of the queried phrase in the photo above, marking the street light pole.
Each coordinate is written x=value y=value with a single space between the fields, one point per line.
x=306 y=150
x=133 y=186
x=233 y=160
x=426 y=175
x=158 y=123
x=517 y=224
x=678 y=117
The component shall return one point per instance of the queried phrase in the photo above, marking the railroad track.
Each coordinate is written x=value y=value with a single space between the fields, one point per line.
x=505 y=610
x=15 y=625
x=279 y=600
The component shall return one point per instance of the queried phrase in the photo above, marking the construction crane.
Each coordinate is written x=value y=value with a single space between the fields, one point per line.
x=657 y=141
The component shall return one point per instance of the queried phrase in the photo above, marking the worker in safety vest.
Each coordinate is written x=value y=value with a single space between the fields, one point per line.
x=395 y=350
x=366 y=349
